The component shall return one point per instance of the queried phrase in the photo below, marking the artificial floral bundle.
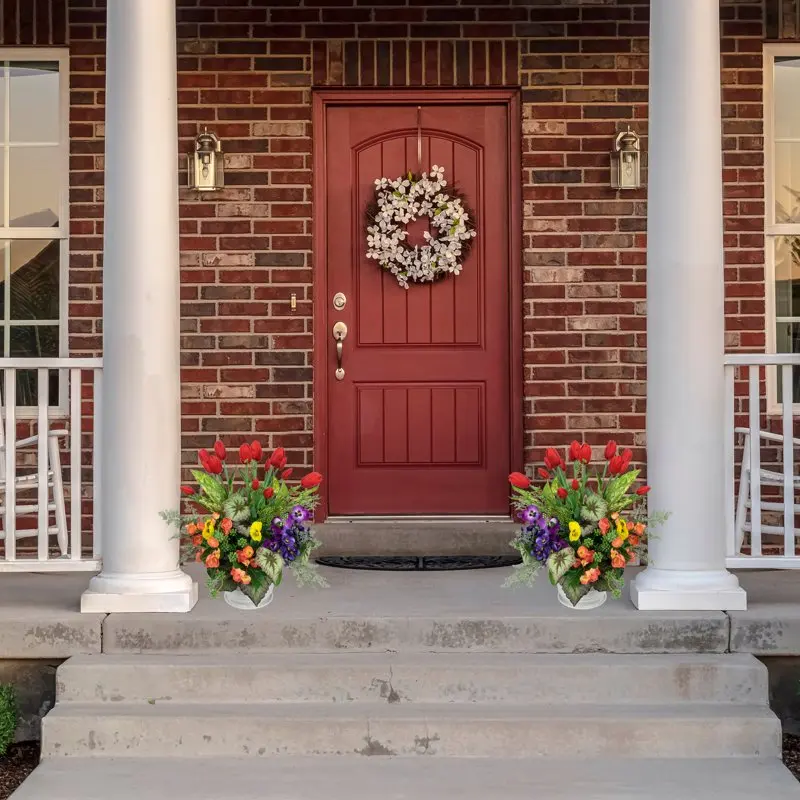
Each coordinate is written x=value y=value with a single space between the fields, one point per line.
x=246 y=524
x=585 y=527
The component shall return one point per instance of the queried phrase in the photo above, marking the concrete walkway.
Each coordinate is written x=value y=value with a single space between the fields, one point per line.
x=404 y=779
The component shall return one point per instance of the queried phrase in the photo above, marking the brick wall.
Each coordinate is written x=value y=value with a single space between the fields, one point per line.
x=246 y=71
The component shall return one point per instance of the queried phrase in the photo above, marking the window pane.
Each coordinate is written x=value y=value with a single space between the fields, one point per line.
x=788 y=341
x=787 y=182
x=34 y=102
x=34 y=271
x=34 y=341
x=787 y=276
x=787 y=92
x=35 y=186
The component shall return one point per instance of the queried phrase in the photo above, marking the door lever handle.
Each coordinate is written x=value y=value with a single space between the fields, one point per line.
x=339 y=334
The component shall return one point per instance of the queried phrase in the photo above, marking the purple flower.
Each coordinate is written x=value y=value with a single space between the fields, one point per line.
x=531 y=515
x=299 y=514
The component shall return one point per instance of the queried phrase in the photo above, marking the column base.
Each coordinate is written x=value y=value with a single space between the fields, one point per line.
x=687 y=590
x=174 y=593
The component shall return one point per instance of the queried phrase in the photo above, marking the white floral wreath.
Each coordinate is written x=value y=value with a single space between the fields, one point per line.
x=400 y=201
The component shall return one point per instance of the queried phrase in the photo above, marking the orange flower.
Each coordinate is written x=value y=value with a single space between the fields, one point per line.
x=617 y=542
x=633 y=540
x=617 y=559
x=237 y=575
x=215 y=515
x=590 y=576
x=604 y=526
x=197 y=540
x=246 y=579
x=615 y=515
x=585 y=556
x=198 y=556
x=630 y=525
x=248 y=551
x=226 y=525
x=212 y=560
x=212 y=542
x=631 y=557
x=242 y=558
x=191 y=529
x=638 y=528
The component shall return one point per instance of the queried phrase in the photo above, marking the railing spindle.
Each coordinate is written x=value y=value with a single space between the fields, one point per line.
x=787 y=400
x=10 y=523
x=755 y=460
x=42 y=466
x=75 y=476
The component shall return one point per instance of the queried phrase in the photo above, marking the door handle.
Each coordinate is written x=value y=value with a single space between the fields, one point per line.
x=339 y=334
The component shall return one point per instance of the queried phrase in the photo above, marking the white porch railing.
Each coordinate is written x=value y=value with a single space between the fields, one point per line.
x=32 y=484
x=750 y=473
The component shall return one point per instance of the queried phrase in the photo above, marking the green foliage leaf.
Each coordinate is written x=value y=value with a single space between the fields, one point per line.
x=573 y=588
x=9 y=716
x=559 y=564
x=257 y=589
x=213 y=491
x=617 y=488
x=594 y=507
x=271 y=564
x=236 y=508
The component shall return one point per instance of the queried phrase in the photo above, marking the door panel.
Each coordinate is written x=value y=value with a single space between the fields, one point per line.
x=421 y=422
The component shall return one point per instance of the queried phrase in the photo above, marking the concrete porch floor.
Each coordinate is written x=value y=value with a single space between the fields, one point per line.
x=40 y=618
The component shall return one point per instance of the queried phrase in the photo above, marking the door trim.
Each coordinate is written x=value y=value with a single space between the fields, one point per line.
x=324 y=98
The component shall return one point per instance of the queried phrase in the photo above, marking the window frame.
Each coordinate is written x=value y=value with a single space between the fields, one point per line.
x=772 y=229
x=61 y=234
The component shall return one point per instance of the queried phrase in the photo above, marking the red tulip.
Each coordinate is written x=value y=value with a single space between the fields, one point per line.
x=611 y=450
x=520 y=481
x=574 y=451
x=562 y=493
x=627 y=455
x=187 y=490
x=278 y=458
x=268 y=492
x=287 y=473
x=642 y=490
x=543 y=474
x=245 y=453
x=203 y=454
x=576 y=484
x=258 y=451
x=214 y=466
x=615 y=466
x=219 y=449
x=552 y=458
x=255 y=484
x=311 y=480
x=586 y=453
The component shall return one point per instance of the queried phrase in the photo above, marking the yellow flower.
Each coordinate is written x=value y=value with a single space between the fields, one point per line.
x=255 y=531
x=208 y=529
x=622 y=529
x=574 y=531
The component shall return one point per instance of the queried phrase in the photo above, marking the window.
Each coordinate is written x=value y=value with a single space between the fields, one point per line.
x=34 y=176
x=782 y=128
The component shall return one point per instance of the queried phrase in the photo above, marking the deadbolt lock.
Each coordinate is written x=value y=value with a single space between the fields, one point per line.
x=339 y=301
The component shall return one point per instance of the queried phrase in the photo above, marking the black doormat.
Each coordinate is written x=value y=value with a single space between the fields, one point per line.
x=410 y=563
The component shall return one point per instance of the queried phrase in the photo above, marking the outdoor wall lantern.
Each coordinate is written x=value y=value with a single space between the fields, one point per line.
x=206 y=170
x=626 y=161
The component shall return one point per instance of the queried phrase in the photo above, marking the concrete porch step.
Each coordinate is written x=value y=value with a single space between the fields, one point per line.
x=476 y=678
x=228 y=729
x=397 y=779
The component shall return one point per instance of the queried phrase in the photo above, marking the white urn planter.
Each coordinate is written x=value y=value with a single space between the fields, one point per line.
x=592 y=599
x=242 y=602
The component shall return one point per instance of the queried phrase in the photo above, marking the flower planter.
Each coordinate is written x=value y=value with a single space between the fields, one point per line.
x=241 y=601
x=590 y=600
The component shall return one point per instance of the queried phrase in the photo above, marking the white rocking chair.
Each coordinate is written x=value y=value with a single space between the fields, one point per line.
x=768 y=478
x=55 y=485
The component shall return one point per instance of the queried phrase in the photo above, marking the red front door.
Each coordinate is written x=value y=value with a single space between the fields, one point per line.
x=420 y=424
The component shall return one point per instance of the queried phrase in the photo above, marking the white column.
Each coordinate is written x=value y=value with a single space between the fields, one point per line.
x=140 y=424
x=685 y=315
